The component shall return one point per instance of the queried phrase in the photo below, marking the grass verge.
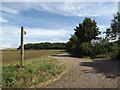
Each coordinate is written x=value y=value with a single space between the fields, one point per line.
x=105 y=56
x=100 y=56
x=35 y=71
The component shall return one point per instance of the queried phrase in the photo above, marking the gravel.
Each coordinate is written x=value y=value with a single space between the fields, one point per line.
x=87 y=73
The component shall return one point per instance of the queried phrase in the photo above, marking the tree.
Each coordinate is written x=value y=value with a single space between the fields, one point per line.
x=80 y=43
x=45 y=45
x=113 y=32
x=71 y=43
x=87 y=30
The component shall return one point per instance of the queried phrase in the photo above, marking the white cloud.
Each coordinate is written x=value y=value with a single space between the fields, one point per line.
x=4 y=46
x=119 y=6
x=10 y=30
x=35 y=32
x=91 y=9
x=51 y=40
x=11 y=35
x=78 y=9
x=60 y=0
x=66 y=8
x=2 y=20
x=8 y=10
x=58 y=40
x=103 y=26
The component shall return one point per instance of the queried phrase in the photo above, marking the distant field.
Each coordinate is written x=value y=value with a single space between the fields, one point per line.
x=14 y=55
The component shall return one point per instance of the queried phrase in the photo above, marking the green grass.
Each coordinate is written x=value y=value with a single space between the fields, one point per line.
x=86 y=57
x=101 y=56
x=104 y=56
x=0 y=75
x=35 y=71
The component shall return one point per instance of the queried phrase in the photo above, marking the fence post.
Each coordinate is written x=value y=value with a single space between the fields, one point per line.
x=22 y=46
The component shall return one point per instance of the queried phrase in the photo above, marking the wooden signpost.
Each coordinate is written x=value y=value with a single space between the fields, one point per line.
x=22 y=46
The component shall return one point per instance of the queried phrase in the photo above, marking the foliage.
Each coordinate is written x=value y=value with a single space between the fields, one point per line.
x=71 y=43
x=45 y=45
x=113 y=32
x=34 y=72
x=80 y=43
x=85 y=42
x=104 y=56
x=115 y=53
x=87 y=30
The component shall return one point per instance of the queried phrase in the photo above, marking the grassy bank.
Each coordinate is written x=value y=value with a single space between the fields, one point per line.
x=35 y=71
x=100 y=56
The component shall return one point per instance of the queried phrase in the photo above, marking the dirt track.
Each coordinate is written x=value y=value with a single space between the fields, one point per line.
x=87 y=73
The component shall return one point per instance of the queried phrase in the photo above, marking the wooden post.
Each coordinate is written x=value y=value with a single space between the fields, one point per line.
x=22 y=46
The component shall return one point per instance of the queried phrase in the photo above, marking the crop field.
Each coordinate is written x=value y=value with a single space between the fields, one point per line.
x=14 y=55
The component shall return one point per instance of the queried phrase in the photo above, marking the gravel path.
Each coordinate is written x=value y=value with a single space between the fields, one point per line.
x=87 y=73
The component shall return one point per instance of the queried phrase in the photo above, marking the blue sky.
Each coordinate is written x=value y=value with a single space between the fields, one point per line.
x=50 y=21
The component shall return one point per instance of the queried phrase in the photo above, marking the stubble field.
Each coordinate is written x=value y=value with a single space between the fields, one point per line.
x=10 y=56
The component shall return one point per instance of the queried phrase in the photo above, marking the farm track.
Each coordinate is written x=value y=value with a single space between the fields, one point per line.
x=87 y=73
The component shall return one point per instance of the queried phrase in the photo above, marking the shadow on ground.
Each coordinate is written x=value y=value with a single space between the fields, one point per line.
x=109 y=68
x=60 y=55
x=63 y=54
x=66 y=54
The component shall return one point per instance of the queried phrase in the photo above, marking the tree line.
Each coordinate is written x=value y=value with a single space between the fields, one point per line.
x=45 y=45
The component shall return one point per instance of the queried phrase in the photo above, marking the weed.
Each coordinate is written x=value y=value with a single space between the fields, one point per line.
x=35 y=71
